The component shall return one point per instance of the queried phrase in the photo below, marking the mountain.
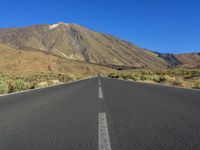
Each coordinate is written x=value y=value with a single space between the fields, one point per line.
x=22 y=62
x=74 y=44
x=184 y=60
x=78 y=43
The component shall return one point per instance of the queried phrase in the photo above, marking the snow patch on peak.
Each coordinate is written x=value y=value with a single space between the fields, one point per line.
x=53 y=26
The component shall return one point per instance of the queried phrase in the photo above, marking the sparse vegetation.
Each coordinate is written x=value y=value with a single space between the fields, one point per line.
x=12 y=83
x=17 y=85
x=196 y=84
x=189 y=78
x=3 y=86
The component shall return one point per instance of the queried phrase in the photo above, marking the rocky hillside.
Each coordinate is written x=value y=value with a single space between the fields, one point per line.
x=78 y=43
x=22 y=62
x=73 y=42
x=184 y=60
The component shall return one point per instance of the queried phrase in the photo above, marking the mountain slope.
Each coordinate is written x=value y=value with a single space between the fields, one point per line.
x=22 y=62
x=191 y=59
x=187 y=59
x=79 y=43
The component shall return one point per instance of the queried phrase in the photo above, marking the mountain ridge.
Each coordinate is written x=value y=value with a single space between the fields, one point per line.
x=81 y=44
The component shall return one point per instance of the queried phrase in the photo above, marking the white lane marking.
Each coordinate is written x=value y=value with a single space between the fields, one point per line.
x=99 y=83
x=100 y=93
x=104 y=140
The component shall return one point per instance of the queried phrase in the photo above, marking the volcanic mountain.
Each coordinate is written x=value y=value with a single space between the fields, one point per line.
x=183 y=60
x=73 y=42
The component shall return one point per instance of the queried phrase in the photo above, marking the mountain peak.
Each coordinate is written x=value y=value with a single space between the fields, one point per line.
x=81 y=44
x=53 y=26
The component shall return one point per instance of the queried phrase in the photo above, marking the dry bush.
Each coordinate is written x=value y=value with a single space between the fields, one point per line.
x=196 y=84
x=41 y=85
x=53 y=82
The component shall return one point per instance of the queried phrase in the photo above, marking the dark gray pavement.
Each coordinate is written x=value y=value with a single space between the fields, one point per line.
x=65 y=117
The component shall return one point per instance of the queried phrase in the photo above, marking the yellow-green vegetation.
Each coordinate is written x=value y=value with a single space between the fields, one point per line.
x=12 y=83
x=17 y=85
x=189 y=78
x=3 y=86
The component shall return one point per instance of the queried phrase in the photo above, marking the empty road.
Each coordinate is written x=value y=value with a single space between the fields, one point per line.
x=101 y=114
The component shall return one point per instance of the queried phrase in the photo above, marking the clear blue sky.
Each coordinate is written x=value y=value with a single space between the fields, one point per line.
x=161 y=25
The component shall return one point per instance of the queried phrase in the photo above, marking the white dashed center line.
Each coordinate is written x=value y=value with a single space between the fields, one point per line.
x=100 y=93
x=100 y=90
x=104 y=140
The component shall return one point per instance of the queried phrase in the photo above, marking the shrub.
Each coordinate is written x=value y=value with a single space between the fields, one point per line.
x=64 y=77
x=153 y=77
x=137 y=74
x=176 y=77
x=41 y=85
x=126 y=76
x=136 y=78
x=197 y=84
x=178 y=82
x=145 y=77
x=175 y=81
x=17 y=85
x=113 y=75
x=167 y=79
x=147 y=72
x=3 y=87
x=185 y=73
x=53 y=82
x=162 y=78
x=156 y=78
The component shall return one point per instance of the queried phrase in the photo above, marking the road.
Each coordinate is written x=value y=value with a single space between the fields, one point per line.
x=101 y=114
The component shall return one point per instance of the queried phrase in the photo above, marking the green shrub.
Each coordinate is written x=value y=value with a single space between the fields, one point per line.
x=167 y=79
x=156 y=78
x=136 y=78
x=162 y=78
x=126 y=76
x=145 y=77
x=113 y=75
x=153 y=77
x=3 y=87
x=147 y=72
x=17 y=85
x=64 y=77
x=176 y=77
x=185 y=73
x=13 y=83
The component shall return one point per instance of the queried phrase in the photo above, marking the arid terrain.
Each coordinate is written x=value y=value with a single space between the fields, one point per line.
x=42 y=53
x=78 y=43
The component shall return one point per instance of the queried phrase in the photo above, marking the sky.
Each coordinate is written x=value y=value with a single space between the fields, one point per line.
x=167 y=26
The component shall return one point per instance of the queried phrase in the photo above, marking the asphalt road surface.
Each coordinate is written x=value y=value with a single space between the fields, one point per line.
x=101 y=114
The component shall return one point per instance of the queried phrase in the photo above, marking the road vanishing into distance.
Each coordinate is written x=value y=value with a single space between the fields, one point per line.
x=101 y=114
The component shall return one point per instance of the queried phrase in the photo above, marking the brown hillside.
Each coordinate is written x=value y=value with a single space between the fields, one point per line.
x=191 y=59
x=20 y=62
x=82 y=44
